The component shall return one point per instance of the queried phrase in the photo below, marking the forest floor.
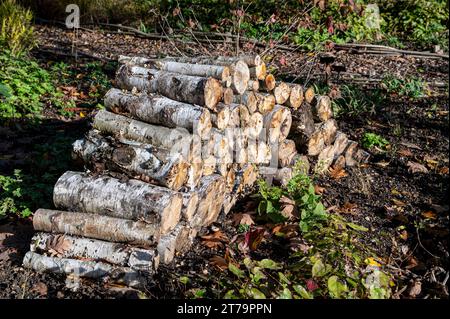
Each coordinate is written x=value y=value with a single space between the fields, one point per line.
x=400 y=195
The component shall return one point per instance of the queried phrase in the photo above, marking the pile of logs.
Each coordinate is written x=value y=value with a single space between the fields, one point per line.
x=179 y=142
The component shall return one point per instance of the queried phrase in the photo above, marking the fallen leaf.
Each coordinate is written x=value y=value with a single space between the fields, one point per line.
x=253 y=238
x=415 y=289
x=214 y=240
x=219 y=262
x=382 y=164
x=372 y=262
x=40 y=288
x=444 y=170
x=410 y=145
x=311 y=285
x=319 y=190
x=348 y=208
x=242 y=219
x=337 y=173
x=405 y=152
x=429 y=214
x=414 y=167
x=58 y=245
x=398 y=203
x=288 y=210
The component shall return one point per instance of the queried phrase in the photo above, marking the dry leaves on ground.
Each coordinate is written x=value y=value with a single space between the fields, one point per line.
x=243 y=219
x=58 y=245
x=414 y=167
x=337 y=173
x=215 y=240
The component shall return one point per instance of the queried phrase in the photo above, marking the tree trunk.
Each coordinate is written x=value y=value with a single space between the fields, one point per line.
x=296 y=97
x=179 y=87
x=266 y=102
x=322 y=110
x=159 y=110
x=309 y=94
x=96 y=226
x=221 y=119
x=109 y=196
x=177 y=140
x=142 y=160
x=66 y=246
x=268 y=83
x=82 y=268
x=281 y=92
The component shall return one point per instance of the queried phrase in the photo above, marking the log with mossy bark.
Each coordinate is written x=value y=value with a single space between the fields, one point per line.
x=157 y=109
x=132 y=199
x=67 y=246
x=83 y=268
x=96 y=226
x=177 y=140
x=179 y=87
x=136 y=160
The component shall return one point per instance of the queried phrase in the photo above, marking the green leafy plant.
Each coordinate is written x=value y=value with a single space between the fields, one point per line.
x=16 y=31
x=11 y=195
x=353 y=101
x=409 y=87
x=370 y=140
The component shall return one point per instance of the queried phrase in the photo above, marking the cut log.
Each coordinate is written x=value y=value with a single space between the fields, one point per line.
x=96 y=226
x=339 y=162
x=301 y=164
x=350 y=153
x=195 y=173
x=105 y=195
x=296 y=97
x=255 y=125
x=244 y=115
x=283 y=176
x=281 y=92
x=142 y=160
x=329 y=130
x=264 y=153
x=235 y=117
x=253 y=85
x=322 y=110
x=325 y=159
x=219 y=72
x=309 y=94
x=316 y=143
x=221 y=119
x=286 y=153
x=190 y=203
x=96 y=250
x=155 y=109
x=286 y=123
x=179 y=239
x=179 y=87
x=135 y=60
x=245 y=178
x=340 y=143
x=240 y=74
x=249 y=99
x=259 y=71
x=177 y=140
x=230 y=179
x=266 y=102
x=361 y=156
x=268 y=83
x=82 y=268
x=229 y=202
x=240 y=146
x=228 y=96
x=277 y=123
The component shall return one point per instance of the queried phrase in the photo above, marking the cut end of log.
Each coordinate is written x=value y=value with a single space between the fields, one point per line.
x=228 y=96
x=310 y=94
x=269 y=82
x=296 y=97
x=266 y=103
x=282 y=92
x=241 y=76
x=213 y=93
x=171 y=214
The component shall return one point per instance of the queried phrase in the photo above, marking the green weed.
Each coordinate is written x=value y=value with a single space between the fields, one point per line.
x=370 y=140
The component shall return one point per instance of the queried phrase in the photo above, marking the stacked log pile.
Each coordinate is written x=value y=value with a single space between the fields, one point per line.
x=180 y=141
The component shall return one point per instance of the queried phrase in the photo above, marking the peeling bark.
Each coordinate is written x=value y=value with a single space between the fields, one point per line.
x=96 y=226
x=159 y=110
x=105 y=195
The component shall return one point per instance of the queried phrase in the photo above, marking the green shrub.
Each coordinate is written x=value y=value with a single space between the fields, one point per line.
x=16 y=31
x=25 y=88
x=409 y=87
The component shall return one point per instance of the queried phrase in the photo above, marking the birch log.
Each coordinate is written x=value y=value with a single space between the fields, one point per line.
x=178 y=240
x=219 y=72
x=283 y=176
x=340 y=143
x=221 y=119
x=281 y=92
x=82 y=268
x=154 y=109
x=309 y=94
x=258 y=71
x=105 y=195
x=256 y=125
x=329 y=130
x=179 y=87
x=266 y=102
x=235 y=118
x=268 y=83
x=228 y=96
x=302 y=126
x=322 y=108
x=177 y=140
x=325 y=159
x=244 y=115
x=278 y=124
x=190 y=203
x=253 y=85
x=140 y=160
x=240 y=74
x=296 y=97
x=67 y=246
x=96 y=226
x=286 y=153
x=339 y=162
x=249 y=99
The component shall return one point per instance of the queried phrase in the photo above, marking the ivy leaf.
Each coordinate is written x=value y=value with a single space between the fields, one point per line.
x=335 y=287
x=269 y=264
x=235 y=270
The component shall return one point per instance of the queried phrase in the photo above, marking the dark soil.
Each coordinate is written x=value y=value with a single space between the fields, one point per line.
x=381 y=195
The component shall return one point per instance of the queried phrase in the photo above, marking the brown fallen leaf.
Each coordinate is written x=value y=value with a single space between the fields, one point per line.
x=219 y=262
x=348 y=208
x=242 y=219
x=405 y=152
x=414 y=167
x=40 y=288
x=215 y=240
x=288 y=210
x=319 y=190
x=429 y=214
x=58 y=245
x=444 y=170
x=415 y=289
x=398 y=203
x=337 y=173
